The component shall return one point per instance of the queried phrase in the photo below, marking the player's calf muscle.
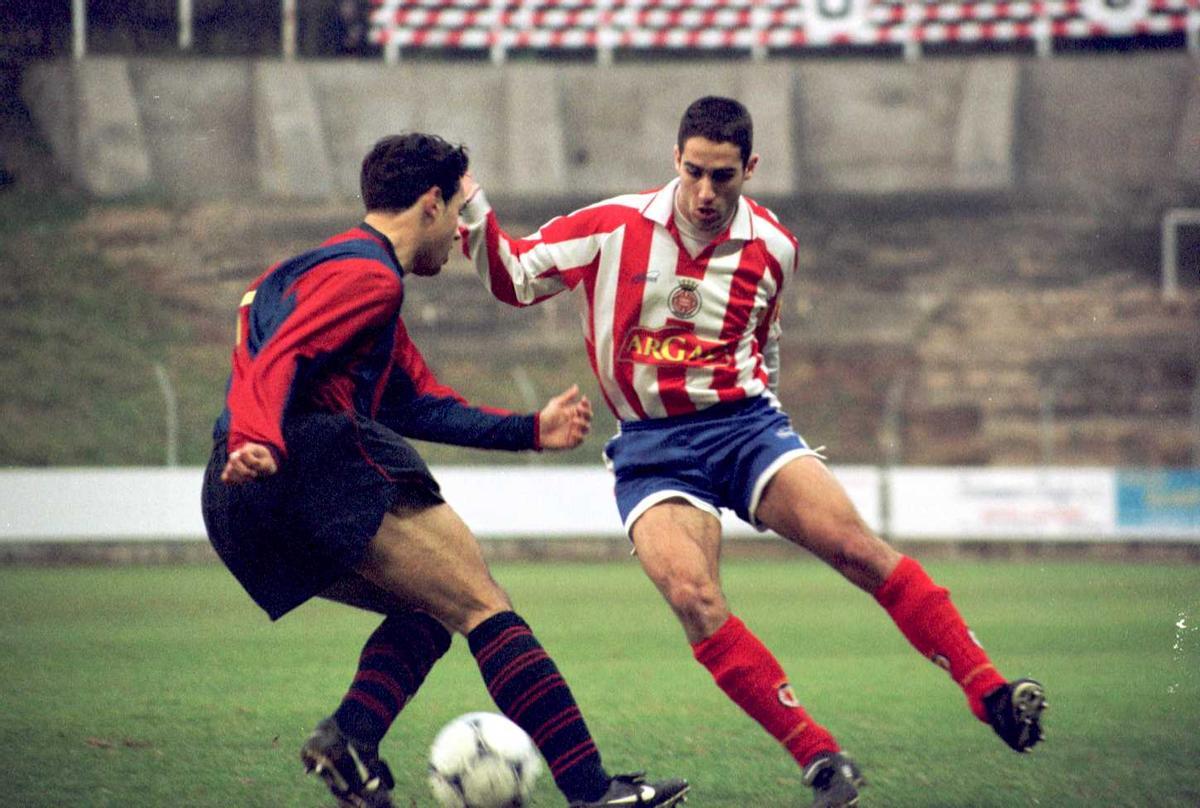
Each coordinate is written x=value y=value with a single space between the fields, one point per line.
x=473 y=600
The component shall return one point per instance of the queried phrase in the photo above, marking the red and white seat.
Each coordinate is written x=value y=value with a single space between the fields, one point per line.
x=760 y=26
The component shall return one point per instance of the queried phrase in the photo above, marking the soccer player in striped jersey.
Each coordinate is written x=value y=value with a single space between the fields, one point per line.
x=312 y=489
x=681 y=290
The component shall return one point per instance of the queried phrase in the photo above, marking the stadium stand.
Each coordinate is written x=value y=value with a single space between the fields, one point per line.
x=761 y=27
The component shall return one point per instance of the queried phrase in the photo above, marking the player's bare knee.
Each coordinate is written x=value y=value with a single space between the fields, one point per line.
x=699 y=603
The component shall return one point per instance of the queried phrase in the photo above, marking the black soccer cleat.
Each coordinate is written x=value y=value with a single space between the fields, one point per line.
x=632 y=790
x=355 y=775
x=1015 y=711
x=835 y=780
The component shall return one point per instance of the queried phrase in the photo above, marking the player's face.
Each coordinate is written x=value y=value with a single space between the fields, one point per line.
x=711 y=176
x=441 y=234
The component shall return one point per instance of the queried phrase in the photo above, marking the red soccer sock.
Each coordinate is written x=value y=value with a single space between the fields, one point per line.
x=929 y=620
x=752 y=677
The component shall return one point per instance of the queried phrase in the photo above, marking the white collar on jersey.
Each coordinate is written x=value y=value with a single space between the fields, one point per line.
x=662 y=205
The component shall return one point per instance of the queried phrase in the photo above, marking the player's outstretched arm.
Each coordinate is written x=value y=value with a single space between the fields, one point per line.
x=526 y=271
x=565 y=420
x=249 y=462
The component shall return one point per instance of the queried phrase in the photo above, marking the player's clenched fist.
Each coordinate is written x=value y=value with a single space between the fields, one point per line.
x=249 y=462
x=565 y=421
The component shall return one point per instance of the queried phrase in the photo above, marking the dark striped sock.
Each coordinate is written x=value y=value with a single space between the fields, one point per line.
x=393 y=664
x=527 y=687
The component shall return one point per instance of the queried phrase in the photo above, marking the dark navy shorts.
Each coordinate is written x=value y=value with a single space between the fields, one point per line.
x=288 y=537
x=720 y=457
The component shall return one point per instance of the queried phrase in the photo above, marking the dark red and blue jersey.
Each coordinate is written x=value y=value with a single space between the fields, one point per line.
x=322 y=332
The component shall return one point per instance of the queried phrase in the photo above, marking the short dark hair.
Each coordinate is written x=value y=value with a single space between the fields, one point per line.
x=721 y=120
x=399 y=168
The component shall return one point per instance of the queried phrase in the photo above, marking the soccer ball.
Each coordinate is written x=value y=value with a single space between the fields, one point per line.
x=483 y=760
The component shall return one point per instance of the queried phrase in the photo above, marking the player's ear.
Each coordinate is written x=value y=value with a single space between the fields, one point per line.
x=678 y=157
x=432 y=203
x=751 y=164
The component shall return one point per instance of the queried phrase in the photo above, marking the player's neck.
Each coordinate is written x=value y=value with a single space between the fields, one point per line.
x=399 y=229
x=694 y=239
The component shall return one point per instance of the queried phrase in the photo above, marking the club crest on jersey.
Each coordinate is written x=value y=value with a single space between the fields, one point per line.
x=674 y=346
x=684 y=300
x=787 y=696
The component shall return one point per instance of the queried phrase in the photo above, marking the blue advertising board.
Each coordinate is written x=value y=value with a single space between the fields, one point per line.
x=1162 y=501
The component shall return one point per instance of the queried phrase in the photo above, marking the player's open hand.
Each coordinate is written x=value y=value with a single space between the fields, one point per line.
x=249 y=462
x=565 y=421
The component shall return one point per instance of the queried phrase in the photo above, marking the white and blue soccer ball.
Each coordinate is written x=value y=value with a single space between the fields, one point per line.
x=483 y=760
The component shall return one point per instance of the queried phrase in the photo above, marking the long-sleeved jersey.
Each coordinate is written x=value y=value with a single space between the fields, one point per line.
x=667 y=333
x=322 y=332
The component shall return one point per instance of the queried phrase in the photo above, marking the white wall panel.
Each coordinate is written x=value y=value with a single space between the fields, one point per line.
x=496 y=501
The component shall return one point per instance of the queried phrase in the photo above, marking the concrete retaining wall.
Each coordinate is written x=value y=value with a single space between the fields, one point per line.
x=290 y=152
x=1106 y=124
x=199 y=125
x=212 y=128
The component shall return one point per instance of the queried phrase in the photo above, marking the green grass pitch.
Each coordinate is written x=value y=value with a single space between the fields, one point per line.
x=164 y=686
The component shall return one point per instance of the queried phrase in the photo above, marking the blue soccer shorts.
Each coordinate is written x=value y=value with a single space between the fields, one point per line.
x=720 y=457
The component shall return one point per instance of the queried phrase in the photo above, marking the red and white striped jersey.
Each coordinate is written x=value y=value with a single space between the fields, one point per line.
x=667 y=334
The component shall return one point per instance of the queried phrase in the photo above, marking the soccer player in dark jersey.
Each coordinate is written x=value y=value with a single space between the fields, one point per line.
x=682 y=287
x=312 y=489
